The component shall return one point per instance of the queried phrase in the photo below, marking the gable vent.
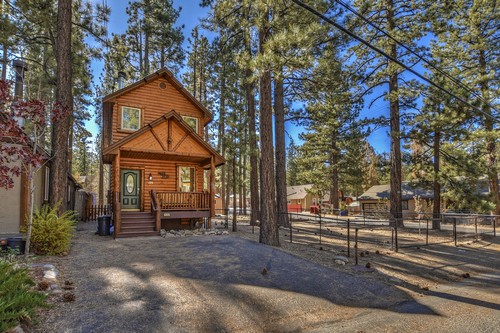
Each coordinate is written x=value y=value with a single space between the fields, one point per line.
x=163 y=85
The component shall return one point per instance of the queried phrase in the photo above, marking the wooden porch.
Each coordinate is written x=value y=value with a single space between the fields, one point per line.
x=165 y=205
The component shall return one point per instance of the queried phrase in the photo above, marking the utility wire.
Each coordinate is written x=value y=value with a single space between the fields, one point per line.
x=376 y=49
x=420 y=57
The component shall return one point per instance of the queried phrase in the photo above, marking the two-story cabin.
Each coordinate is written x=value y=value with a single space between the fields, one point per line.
x=163 y=171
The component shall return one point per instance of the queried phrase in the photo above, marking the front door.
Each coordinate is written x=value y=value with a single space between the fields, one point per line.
x=130 y=189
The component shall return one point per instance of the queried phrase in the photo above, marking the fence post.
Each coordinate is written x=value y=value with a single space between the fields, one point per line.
x=392 y=238
x=455 y=230
x=427 y=234
x=396 y=234
x=320 y=228
x=475 y=225
x=290 y=224
x=356 y=245
x=348 y=238
x=226 y=220
x=495 y=226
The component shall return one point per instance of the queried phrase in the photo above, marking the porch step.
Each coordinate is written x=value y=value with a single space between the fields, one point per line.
x=127 y=234
x=137 y=224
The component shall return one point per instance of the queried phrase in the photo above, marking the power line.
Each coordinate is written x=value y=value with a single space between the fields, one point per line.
x=376 y=49
x=420 y=57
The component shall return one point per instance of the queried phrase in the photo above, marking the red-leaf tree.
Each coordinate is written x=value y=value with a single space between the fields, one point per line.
x=23 y=124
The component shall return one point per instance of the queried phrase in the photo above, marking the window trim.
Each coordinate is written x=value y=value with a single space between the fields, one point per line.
x=179 y=185
x=197 y=129
x=121 y=118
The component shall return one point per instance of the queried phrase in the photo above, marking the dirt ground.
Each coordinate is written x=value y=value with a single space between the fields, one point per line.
x=415 y=268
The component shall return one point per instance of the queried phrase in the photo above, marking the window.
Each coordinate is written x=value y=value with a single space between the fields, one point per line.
x=405 y=204
x=131 y=118
x=192 y=122
x=187 y=179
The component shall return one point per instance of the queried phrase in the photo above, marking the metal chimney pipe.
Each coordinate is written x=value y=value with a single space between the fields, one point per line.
x=121 y=79
x=20 y=67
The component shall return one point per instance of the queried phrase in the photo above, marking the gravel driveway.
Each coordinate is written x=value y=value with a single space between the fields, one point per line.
x=207 y=284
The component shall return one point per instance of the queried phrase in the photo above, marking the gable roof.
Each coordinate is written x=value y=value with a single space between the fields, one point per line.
x=169 y=76
x=408 y=191
x=219 y=160
x=297 y=192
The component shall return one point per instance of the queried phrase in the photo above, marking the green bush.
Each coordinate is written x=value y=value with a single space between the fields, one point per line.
x=51 y=234
x=18 y=301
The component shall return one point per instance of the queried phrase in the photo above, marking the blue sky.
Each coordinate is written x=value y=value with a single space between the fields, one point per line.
x=190 y=16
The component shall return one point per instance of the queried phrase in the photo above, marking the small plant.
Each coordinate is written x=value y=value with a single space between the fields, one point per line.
x=18 y=300
x=9 y=255
x=52 y=232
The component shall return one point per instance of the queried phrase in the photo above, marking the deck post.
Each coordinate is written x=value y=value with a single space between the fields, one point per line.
x=116 y=196
x=212 y=191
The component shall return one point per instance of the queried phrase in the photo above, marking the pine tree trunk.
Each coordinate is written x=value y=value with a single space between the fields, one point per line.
x=268 y=225
x=5 y=61
x=146 y=38
x=60 y=128
x=334 y=160
x=195 y=65
x=235 y=227
x=396 y=207
x=254 y=159
x=279 y=116
x=240 y=183
x=490 y=140
x=436 y=209
x=245 y=176
x=221 y=145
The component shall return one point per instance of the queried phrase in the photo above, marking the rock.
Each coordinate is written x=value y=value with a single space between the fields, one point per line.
x=368 y=265
x=225 y=232
x=52 y=274
x=377 y=252
x=264 y=271
x=163 y=233
x=339 y=262
x=466 y=275
x=341 y=258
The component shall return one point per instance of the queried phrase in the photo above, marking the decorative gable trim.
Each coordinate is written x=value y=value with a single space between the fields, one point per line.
x=151 y=128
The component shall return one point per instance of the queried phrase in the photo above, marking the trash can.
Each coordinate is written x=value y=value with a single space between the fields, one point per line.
x=17 y=243
x=103 y=225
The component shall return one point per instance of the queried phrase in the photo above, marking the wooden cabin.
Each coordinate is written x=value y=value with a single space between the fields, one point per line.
x=153 y=138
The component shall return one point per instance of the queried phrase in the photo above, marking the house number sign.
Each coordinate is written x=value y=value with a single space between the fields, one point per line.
x=163 y=175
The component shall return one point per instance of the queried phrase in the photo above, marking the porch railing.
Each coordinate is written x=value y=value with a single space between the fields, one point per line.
x=183 y=200
x=92 y=212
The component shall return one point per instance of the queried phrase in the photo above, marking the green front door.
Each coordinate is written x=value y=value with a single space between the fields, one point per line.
x=131 y=189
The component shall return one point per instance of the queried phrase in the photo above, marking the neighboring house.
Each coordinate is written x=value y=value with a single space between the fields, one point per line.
x=153 y=134
x=300 y=199
x=378 y=196
x=14 y=202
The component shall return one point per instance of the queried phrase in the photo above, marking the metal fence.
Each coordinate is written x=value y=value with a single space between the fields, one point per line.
x=412 y=230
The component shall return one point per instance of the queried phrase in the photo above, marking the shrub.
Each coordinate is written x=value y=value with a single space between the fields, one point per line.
x=18 y=301
x=51 y=233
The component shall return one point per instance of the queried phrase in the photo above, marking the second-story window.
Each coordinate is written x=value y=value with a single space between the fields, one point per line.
x=131 y=118
x=192 y=121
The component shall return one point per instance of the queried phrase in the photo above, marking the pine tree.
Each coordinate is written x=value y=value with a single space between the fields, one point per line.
x=398 y=19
